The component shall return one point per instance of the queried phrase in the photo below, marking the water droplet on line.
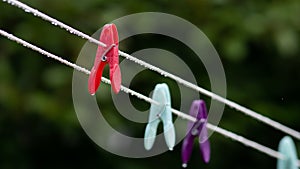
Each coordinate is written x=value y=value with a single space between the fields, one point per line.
x=54 y=23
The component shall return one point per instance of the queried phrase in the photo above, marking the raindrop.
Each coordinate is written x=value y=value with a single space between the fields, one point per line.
x=54 y=23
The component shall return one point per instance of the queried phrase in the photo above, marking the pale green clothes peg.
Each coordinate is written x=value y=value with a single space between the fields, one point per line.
x=161 y=112
x=288 y=150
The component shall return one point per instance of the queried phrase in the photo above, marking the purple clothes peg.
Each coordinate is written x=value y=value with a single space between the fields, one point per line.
x=197 y=110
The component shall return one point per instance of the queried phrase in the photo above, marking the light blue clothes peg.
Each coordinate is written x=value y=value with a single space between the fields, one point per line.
x=288 y=150
x=160 y=112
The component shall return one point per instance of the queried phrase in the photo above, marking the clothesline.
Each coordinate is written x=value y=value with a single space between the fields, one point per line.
x=217 y=129
x=214 y=96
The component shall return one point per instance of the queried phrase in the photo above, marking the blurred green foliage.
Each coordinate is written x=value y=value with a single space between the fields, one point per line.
x=258 y=42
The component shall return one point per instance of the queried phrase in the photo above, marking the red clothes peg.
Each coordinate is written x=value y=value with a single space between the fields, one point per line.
x=106 y=55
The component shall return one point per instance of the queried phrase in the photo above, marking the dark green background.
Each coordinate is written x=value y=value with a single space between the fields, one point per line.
x=258 y=42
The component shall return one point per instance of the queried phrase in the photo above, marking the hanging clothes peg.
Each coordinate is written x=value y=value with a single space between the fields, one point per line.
x=106 y=55
x=161 y=112
x=288 y=150
x=197 y=129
